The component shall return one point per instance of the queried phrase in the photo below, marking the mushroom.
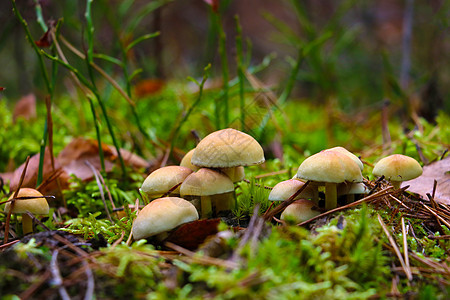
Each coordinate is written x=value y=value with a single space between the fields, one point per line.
x=351 y=189
x=186 y=161
x=285 y=189
x=162 y=215
x=37 y=206
x=299 y=211
x=329 y=168
x=349 y=154
x=160 y=181
x=227 y=148
x=208 y=185
x=397 y=168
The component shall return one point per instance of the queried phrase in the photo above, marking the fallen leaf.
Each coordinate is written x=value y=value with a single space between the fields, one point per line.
x=148 y=87
x=423 y=185
x=130 y=158
x=1 y=88
x=25 y=108
x=193 y=234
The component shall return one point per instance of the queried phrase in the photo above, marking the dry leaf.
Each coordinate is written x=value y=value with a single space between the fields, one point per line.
x=148 y=87
x=193 y=234
x=423 y=184
x=25 y=108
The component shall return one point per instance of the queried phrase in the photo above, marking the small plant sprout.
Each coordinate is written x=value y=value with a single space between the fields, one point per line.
x=215 y=189
x=162 y=180
x=397 y=168
x=330 y=168
x=37 y=206
x=161 y=216
x=299 y=211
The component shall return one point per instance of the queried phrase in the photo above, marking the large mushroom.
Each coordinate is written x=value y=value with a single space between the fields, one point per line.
x=330 y=168
x=161 y=216
x=349 y=154
x=227 y=148
x=214 y=189
x=397 y=168
x=33 y=202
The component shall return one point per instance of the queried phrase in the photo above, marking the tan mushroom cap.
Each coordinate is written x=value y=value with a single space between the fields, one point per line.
x=398 y=167
x=349 y=154
x=329 y=166
x=186 y=161
x=236 y=174
x=206 y=182
x=162 y=215
x=285 y=189
x=163 y=179
x=300 y=211
x=37 y=206
x=227 y=148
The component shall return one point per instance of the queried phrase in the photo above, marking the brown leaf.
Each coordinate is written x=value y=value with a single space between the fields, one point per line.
x=25 y=108
x=130 y=158
x=423 y=184
x=214 y=5
x=46 y=40
x=2 y=88
x=148 y=87
x=191 y=235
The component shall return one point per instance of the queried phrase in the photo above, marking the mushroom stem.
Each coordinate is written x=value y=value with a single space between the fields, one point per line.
x=27 y=224
x=350 y=198
x=224 y=202
x=330 y=195
x=315 y=197
x=395 y=184
x=206 y=207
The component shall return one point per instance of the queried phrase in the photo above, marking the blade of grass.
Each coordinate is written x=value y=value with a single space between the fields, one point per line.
x=241 y=76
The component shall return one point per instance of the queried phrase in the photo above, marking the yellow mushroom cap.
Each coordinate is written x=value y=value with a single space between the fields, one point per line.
x=227 y=148
x=206 y=182
x=349 y=154
x=329 y=166
x=300 y=211
x=398 y=167
x=163 y=179
x=186 y=161
x=162 y=215
x=37 y=206
x=236 y=174
x=285 y=189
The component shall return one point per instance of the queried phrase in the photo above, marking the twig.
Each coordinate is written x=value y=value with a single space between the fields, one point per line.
x=204 y=260
x=378 y=194
x=396 y=250
x=405 y=246
x=57 y=279
x=436 y=215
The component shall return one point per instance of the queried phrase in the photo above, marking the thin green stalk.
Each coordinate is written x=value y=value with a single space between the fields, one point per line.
x=99 y=137
x=89 y=61
x=193 y=106
x=225 y=71
x=240 y=71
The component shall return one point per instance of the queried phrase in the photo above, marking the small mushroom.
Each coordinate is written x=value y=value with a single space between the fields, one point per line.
x=350 y=190
x=397 y=168
x=285 y=189
x=299 y=211
x=186 y=161
x=37 y=206
x=209 y=185
x=160 y=181
x=161 y=216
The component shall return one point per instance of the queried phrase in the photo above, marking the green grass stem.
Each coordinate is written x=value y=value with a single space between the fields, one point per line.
x=240 y=72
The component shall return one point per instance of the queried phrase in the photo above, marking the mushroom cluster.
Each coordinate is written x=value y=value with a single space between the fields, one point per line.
x=207 y=173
